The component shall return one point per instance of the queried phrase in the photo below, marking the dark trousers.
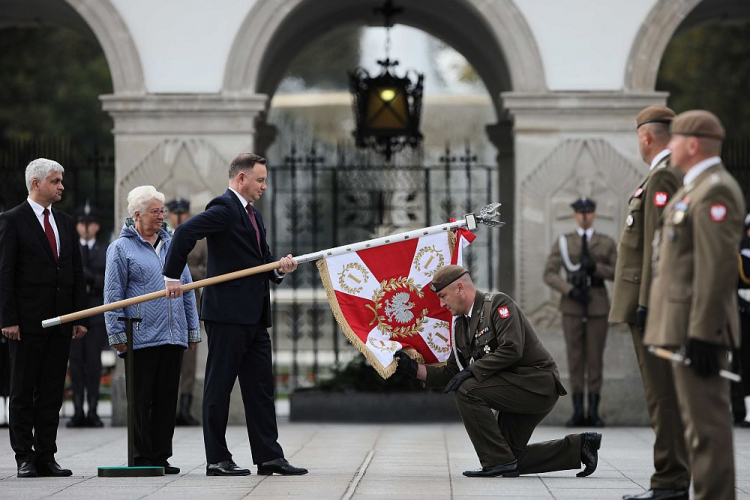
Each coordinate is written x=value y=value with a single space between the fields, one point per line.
x=671 y=461
x=157 y=379
x=502 y=440
x=37 y=378
x=239 y=352
x=86 y=366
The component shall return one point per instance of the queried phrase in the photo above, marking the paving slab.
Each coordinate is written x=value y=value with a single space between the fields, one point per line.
x=357 y=461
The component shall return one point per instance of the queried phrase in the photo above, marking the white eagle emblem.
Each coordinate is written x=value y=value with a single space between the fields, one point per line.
x=398 y=308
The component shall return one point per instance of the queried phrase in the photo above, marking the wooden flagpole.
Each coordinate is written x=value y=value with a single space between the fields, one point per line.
x=487 y=216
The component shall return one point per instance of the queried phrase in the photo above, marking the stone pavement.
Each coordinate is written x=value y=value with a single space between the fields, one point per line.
x=345 y=461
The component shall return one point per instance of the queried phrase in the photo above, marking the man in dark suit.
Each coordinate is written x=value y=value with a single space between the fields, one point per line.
x=41 y=276
x=237 y=315
x=86 y=353
x=498 y=363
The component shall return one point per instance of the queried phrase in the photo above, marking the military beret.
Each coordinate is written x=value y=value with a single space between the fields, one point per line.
x=699 y=123
x=179 y=206
x=654 y=114
x=584 y=205
x=87 y=214
x=445 y=276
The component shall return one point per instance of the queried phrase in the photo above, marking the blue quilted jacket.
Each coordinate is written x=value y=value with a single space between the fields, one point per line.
x=134 y=268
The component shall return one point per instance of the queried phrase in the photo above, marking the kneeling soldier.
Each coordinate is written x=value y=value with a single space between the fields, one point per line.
x=498 y=363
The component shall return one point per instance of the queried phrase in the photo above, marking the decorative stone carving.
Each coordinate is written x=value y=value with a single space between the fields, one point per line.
x=576 y=167
x=188 y=168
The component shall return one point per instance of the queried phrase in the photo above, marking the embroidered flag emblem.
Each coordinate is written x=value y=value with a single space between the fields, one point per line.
x=718 y=212
x=661 y=198
x=503 y=312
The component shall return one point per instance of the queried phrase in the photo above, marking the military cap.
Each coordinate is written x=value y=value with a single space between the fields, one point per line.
x=445 y=276
x=584 y=205
x=179 y=206
x=698 y=123
x=654 y=114
x=87 y=214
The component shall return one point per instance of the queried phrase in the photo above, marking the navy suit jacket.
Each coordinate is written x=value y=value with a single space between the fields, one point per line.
x=33 y=286
x=232 y=246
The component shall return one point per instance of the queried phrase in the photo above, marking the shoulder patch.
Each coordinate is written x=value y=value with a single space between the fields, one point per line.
x=661 y=198
x=718 y=212
x=504 y=312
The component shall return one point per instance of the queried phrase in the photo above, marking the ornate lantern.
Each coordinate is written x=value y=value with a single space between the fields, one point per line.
x=387 y=108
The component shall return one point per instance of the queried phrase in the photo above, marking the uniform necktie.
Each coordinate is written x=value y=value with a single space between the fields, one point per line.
x=463 y=324
x=50 y=233
x=251 y=214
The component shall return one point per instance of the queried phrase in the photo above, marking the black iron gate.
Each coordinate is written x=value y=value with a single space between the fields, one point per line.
x=89 y=174
x=317 y=201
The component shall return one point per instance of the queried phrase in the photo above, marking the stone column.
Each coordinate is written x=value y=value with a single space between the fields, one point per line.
x=501 y=136
x=569 y=144
x=182 y=145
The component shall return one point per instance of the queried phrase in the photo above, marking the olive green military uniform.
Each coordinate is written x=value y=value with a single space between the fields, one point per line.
x=692 y=296
x=513 y=374
x=631 y=289
x=585 y=344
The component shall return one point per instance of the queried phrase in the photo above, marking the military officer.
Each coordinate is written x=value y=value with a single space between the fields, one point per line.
x=179 y=212
x=588 y=258
x=671 y=477
x=693 y=304
x=498 y=363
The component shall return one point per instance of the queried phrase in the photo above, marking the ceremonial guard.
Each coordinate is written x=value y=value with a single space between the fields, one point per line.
x=498 y=363
x=630 y=296
x=588 y=258
x=693 y=302
x=86 y=353
x=179 y=212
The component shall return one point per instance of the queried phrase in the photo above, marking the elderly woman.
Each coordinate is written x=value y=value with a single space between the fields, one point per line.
x=168 y=326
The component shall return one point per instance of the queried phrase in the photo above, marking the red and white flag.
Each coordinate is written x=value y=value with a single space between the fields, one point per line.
x=382 y=300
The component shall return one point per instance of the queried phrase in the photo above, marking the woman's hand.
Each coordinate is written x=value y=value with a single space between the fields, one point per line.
x=121 y=348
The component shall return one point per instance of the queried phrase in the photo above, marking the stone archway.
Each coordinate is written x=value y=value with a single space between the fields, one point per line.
x=500 y=46
x=118 y=46
x=662 y=23
x=94 y=19
x=494 y=37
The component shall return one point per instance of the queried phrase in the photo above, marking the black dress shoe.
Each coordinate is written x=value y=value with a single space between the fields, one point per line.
x=226 y=468
x=280 y=466
x=94 y=421
x=659 y=494
x=76 y=421
x=27 y=469
x=168 y=468
x=52 y=469
x=590 y=452
x=509 y=469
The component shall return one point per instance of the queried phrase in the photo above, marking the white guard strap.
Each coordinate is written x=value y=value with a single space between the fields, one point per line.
x=563 y=242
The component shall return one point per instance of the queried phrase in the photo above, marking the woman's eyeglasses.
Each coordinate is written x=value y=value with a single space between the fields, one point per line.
x=156 y=212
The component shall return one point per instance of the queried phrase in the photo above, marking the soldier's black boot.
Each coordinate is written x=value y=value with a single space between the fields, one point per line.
x=79 y=418
x=594 y=419
x=92 y=419
x=183 y=416
x=577 y=420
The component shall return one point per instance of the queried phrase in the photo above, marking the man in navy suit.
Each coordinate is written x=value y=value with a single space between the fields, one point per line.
x=237 y=315
x=41 y=276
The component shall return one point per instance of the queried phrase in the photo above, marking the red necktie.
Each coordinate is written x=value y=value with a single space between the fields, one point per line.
x=251 y=214
x=50 y=233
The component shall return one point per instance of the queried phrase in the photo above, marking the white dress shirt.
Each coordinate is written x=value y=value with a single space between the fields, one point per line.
x=39 y=212
x=589 y=232
x=659 y=158
x=699 y=168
